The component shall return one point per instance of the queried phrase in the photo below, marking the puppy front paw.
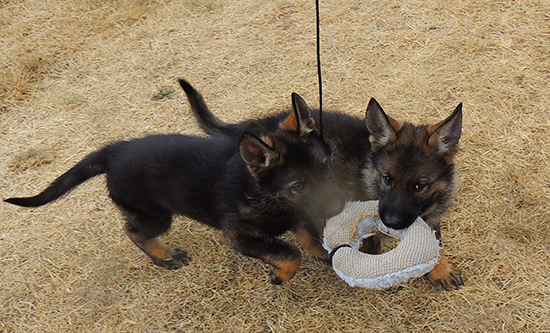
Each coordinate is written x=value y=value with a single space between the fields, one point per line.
x=445 y=275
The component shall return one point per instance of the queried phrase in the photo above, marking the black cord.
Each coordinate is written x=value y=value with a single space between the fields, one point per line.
x=319 y=69
x=333 y=252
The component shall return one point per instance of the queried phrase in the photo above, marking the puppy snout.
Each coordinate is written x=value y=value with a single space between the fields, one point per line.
x=336 y=206
x=335 y=203
x=391 y=221
x=397 y=221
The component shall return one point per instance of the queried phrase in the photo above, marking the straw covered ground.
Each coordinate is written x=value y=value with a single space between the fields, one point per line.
x=75 y=75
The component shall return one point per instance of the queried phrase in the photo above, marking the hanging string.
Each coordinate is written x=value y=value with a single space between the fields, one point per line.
x=319 y=69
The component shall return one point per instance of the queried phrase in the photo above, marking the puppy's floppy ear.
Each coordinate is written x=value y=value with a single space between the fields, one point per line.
x=256 y=153
x=444 y=135
x=382 y=129
x=299 y=120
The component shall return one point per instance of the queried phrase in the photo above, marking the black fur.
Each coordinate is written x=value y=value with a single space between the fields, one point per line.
x=408 y=168
x=347 y=137
x=254 y=189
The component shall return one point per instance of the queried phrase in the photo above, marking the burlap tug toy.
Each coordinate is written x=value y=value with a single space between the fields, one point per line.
x=415 y=255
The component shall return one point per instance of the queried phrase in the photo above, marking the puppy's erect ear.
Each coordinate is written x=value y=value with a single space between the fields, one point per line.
x=299 y=120
x=444 y=136
x=256 y=153
x=382 y=129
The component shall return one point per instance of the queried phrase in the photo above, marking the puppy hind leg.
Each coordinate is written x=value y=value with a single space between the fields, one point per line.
x=144 y=233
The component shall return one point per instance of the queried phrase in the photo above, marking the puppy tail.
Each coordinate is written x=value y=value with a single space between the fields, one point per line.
x=91 y=166
x=209 y=123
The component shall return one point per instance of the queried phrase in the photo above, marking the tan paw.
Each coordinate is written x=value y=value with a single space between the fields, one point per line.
x=445 y=275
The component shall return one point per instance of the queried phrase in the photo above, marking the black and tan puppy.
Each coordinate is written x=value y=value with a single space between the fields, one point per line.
x=254 y=187
x=408 y=168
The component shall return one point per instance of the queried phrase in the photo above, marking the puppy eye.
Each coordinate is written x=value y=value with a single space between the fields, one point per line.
x=419 y=187
x=298 y=187
x=387 y=180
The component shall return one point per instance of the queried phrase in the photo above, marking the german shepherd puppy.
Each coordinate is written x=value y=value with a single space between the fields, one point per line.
x=408 y=168
x=254 y=187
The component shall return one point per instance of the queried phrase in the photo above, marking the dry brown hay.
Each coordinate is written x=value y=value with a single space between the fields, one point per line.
x=77 y=74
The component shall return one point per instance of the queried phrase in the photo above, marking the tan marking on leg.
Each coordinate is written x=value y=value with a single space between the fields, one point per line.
x=152 y=247
x=445 y=275
x=158 y=249
x=311 y=243
x=284 y=270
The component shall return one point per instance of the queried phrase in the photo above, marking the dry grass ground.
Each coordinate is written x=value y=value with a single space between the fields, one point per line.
x=77 y=74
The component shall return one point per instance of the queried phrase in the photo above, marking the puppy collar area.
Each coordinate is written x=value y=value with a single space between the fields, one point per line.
x=415 y=255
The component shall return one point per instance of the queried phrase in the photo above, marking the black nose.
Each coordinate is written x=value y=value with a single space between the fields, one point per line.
x=397 y=221
x=391 y=221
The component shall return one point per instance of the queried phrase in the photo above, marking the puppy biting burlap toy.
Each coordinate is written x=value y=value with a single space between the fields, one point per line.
x=415 y=255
